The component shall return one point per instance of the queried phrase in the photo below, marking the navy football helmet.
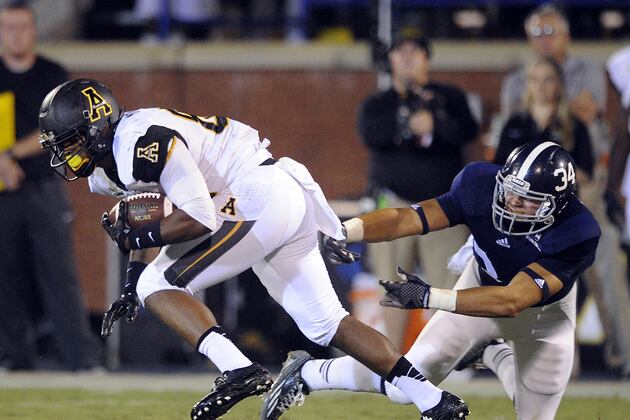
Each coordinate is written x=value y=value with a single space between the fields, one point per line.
x=77 y=120
x=543 y=174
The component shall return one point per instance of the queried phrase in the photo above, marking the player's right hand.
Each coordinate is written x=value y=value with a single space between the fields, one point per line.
x=127 y=304
x=337 y=252
x=119 y=229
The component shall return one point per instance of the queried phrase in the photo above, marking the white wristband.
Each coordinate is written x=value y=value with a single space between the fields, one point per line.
x=444 y=299
x=354 y=229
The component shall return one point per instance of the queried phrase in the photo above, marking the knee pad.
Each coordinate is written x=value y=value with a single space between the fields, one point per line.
x=322 y=331
x=152 y=281
x=548 y=375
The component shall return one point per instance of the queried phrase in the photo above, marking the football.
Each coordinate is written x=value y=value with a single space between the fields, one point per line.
x=144 y=208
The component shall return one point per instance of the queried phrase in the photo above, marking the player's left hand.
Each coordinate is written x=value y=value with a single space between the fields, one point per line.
x=119 y=230
x=409 y=293
x=337 y=252
x=127 y=304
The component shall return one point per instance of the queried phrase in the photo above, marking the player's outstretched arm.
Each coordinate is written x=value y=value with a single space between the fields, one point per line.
x=524 y=291
x=393 y=223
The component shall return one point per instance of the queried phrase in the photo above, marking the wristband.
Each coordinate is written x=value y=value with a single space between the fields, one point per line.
x=147 y=236
x=134 y=269
x=354 y=229
x=444 y=299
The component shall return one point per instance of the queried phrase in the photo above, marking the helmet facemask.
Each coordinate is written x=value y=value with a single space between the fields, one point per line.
x=72 y=153
x=514 y=223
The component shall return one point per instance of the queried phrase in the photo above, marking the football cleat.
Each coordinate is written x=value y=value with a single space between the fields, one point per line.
x=289 y=389
x=474 y=355
x=450 y=407
x=230 y=388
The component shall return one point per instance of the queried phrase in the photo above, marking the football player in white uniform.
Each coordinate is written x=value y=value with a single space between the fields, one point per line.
x=237 y=207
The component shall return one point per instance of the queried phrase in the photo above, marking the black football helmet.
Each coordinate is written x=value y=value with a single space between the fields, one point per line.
x=77 y=120
x=543 y=173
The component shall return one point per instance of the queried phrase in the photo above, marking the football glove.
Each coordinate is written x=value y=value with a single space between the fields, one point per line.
x=119 y=230
x=410 y=293
x=128 y=303
x=336 y=251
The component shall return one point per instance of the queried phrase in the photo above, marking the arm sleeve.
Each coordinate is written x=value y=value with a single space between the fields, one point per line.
x=185 y=186
x=377 y=123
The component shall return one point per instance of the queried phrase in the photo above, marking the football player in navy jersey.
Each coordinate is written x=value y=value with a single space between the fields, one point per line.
x=532 y=239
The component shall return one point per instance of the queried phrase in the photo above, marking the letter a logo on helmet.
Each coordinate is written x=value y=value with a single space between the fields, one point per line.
x=99 y=107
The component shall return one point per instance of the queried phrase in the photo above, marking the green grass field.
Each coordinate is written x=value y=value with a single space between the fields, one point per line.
x=67 y=404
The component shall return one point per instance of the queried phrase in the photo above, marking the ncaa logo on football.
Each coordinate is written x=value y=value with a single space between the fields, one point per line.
x=149 y=153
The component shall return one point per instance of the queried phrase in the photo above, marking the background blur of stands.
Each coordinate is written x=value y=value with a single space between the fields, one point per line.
x=297 y=71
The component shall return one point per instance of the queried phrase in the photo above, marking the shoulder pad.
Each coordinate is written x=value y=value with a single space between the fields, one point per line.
x=150 y=153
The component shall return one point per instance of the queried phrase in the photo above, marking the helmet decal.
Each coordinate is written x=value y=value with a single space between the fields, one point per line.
x=99 y=108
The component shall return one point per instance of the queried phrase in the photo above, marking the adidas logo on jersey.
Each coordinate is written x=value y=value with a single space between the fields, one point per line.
x=503 y=242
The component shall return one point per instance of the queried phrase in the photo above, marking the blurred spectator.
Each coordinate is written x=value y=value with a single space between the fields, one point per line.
x=548 y=33
x=618 y=66
x=169 y=19
x=417 y=132
x=37 y=270
x=546 y=116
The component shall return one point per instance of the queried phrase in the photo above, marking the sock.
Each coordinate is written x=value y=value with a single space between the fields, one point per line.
x=217 y=346
x=422 y=393
x=340 y=373
x=500 y=359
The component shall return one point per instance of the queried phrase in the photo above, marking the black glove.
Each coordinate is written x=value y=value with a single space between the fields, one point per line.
x=336 y=251
x=410 y=293
x=119 y=230
x=127 y=304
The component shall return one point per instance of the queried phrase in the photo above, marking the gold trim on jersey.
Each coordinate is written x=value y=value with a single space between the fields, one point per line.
x=193 y=262
x=170 y=149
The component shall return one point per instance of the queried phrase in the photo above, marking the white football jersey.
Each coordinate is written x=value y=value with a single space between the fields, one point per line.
x=222 y=148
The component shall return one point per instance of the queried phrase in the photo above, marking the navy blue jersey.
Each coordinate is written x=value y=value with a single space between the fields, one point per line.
x=565 y=249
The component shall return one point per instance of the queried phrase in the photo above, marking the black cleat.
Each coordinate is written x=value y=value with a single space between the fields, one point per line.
x=450 y=407
x=230 y=388
x=289 y=389
x=474 y=355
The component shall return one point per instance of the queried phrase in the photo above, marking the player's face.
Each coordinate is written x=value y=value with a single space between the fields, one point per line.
x=409 y=63
x=543 y=84
x=520 y=205
x=75 y=154
x=17 y=32
x=548 y=36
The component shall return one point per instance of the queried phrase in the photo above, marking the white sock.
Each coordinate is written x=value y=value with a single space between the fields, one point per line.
x=216 y=345
x=500 y=359
x=341 y=373
x=422 y=393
